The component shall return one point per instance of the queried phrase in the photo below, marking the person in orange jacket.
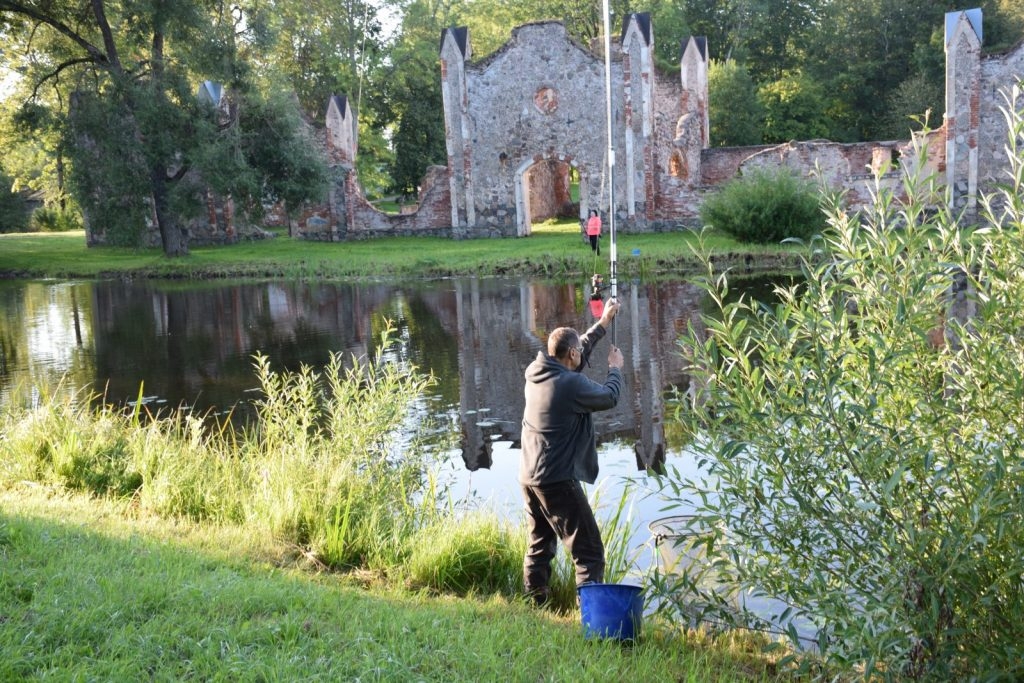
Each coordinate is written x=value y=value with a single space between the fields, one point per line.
x=594 y=231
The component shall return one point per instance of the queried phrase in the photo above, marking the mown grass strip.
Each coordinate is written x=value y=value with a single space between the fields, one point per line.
x=108 y=597
x=554 y=250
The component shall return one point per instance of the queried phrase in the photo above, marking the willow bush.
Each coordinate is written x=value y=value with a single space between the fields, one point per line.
x=862 y=437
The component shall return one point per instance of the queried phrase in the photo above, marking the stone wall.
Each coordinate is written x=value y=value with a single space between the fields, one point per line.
x=533 y=101
x=348 y=215
x=538 y=103
x=998 y=73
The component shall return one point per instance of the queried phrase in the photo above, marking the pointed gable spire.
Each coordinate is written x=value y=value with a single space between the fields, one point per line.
x=642 y=20
x=459 y=36
x=954 y=20
x=210 y=93
x=342 y=129
x=699 y=43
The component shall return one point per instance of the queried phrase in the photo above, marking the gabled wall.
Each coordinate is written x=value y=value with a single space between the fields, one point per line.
x=541 y=99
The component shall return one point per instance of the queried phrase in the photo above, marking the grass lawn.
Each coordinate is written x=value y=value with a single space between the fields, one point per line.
x=555 y=249
x=89 y=591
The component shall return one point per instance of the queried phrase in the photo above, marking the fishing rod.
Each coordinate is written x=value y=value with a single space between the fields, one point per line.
x=613 y=270
x=613 y=255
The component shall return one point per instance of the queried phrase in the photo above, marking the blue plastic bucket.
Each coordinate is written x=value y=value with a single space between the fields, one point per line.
x=611 y=610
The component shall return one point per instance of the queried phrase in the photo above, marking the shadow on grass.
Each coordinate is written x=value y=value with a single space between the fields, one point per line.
x=103 y=597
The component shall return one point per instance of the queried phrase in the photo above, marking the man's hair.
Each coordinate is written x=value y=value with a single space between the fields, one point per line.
x=561 y=340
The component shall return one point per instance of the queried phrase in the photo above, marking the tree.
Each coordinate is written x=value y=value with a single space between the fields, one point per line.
x=768 y=36
x=134 y=126
x=419 y=140
x=320 y=48
x=13 y=212
x=908 y=105
x=671 y=28
x=736 y=114
x=795 y=107
x=415 y=93
x=583 y=19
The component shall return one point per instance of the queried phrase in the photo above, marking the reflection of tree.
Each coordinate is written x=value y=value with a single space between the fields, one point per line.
x=206 y=336
x=433 y=347
x=41 y=342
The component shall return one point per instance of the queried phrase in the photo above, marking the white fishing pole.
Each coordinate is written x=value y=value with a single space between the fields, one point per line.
x=613 y=270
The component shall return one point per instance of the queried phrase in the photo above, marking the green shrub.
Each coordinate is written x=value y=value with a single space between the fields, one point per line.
x=765 y=207
x=863 y=437
x=49 y=219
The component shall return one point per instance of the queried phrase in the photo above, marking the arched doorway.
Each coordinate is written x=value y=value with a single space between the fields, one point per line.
x=543 y=188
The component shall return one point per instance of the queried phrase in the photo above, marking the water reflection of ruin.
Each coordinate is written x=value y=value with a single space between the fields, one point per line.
x=494 y=357
x=491 y=328
x=194 y=345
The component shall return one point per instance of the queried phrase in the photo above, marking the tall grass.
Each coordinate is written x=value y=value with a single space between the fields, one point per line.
x=325 y=468
x=320 y=468
x=481 y=553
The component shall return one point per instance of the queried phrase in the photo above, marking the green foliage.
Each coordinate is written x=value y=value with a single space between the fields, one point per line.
x=13 y=210
x=670 y=30
x=862 y=437
x=736 y=114
x=29 y=133
x=794 y=109
x=419 y=140
x=768 y=36
x=109 y=177
x=1004 y=23
x=908 y=105
x=374 y=156
x=279 y=153
x=46 y=219
x=765 y=206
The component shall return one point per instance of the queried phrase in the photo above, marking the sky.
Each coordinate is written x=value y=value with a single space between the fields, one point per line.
x=7 y=80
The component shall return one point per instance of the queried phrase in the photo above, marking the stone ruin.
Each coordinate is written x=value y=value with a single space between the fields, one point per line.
x=521 y=121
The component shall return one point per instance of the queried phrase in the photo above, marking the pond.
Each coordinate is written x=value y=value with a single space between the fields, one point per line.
x=193 y=344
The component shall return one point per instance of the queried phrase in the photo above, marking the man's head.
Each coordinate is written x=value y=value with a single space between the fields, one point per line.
x=564 y=346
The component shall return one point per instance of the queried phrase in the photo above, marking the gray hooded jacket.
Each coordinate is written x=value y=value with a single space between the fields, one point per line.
x=558 y=439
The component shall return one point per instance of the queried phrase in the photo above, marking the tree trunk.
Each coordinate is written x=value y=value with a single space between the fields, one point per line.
x=172 y=237
x=62 y=197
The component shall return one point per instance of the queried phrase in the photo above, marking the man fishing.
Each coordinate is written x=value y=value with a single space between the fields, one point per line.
x=560 y=450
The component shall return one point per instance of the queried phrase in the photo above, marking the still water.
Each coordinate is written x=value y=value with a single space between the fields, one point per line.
x=193 y=344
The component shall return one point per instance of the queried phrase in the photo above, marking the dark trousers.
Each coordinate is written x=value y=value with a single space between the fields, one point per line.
x=560 y=512
x=595 y=245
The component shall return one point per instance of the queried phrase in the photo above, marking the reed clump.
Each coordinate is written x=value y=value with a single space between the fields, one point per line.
x=328 y=465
